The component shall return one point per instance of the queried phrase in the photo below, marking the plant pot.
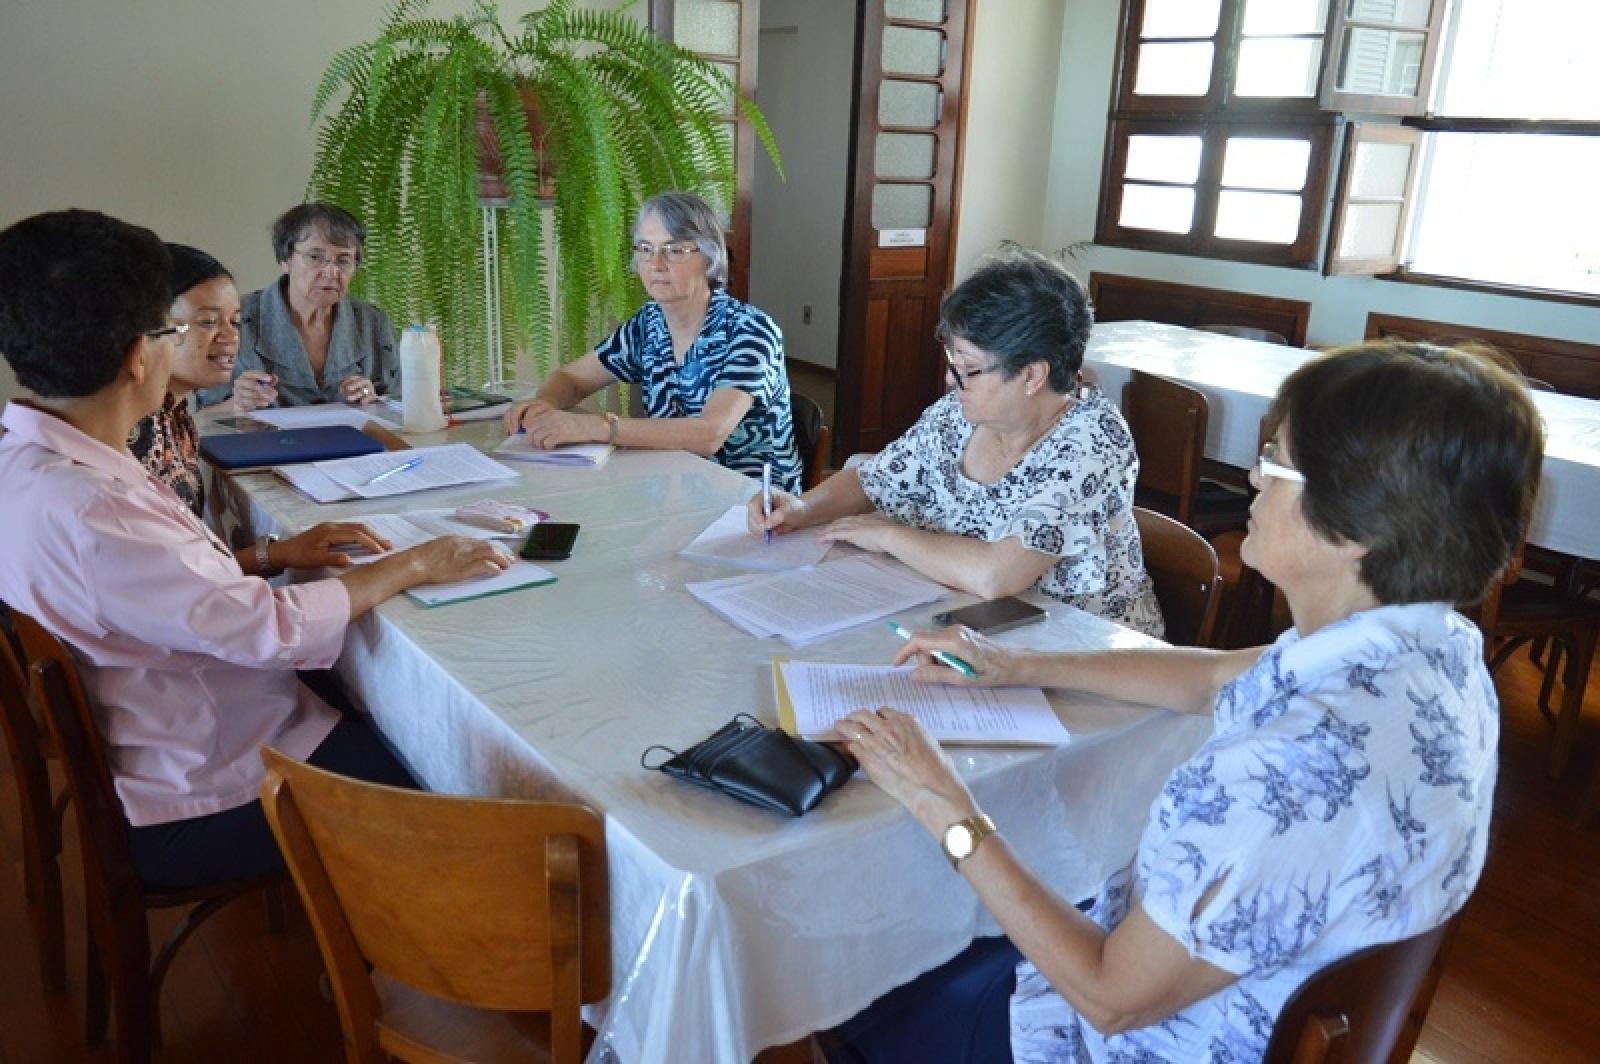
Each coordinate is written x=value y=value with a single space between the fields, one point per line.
x=492 y=188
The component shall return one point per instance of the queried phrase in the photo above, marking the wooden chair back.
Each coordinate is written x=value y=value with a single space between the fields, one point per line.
x=1184 y=569
x=1367 y=1007
x=812 y=436
x=30 y=748
x=1168 y=422
x=1245 y=332
x=496 y=904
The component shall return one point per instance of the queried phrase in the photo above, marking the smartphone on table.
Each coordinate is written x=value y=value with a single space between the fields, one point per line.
x=550 y=541
x=995 y=615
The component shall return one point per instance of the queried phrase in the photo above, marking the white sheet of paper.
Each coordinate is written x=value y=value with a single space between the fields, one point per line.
x=823 y=694
x=519 y=448
x=444 y=466
x=414 y=529
x=305 y=417
x=728 y=541
x=520 y=574
x=313 y=483
x=806 y=604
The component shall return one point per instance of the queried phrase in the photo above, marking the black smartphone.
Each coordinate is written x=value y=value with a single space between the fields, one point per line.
x=550 y=541
x=996 y=615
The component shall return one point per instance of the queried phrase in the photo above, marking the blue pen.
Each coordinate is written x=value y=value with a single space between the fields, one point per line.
x=939 y=655
x=401 y=468
x=766 y=494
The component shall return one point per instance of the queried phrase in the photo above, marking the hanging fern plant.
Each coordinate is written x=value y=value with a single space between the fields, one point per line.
x=623 y=115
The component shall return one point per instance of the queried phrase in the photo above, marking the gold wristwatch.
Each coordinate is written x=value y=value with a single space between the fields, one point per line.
x=962 y=837
x=611 y=428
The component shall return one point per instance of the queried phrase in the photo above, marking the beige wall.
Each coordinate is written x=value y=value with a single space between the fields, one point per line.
x=1339 y=304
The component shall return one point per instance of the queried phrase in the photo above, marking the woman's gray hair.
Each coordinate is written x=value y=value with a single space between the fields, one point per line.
x=336 y=225
x=686 y=216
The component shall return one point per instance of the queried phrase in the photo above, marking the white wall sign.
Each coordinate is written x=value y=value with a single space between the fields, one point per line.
x=902 y=238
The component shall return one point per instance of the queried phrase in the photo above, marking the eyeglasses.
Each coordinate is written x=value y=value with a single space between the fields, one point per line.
x=317 y=260
x=1269 y=466
x=645 y=251
x=174 y=331
x=961 y=376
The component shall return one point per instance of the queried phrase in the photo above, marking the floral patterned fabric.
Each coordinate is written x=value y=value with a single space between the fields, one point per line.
x=1343 y=801
x=167 y=443
x=1071 y=496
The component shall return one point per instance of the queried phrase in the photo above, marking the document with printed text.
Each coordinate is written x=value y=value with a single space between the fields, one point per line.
x=801 y=605
x=728 y=541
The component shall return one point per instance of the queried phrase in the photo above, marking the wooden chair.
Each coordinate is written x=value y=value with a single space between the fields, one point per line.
x=813 y=436
x=452 y=928
x=1168 y=421
x=1365 y=1008
x=1245 y=332
x=115 y=899
x=32 y=749
x=1184 y=569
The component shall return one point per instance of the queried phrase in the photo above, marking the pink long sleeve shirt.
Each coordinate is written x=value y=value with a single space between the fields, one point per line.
x=188 y=663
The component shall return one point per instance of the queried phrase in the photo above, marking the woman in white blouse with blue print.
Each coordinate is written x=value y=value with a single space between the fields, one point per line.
x=1343 y=798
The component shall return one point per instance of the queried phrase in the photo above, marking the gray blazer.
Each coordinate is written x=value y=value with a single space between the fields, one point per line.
x=362 y=344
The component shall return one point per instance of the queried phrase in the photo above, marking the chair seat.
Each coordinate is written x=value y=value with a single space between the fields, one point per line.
x=1528 y=609
x=413 y=1026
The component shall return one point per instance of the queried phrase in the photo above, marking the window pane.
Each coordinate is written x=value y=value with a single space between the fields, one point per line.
x=1180 y=18
x=1509 y=61
x=1278 y=66
x=1379 y=169
x=1152 y=158
x=905 y=155
x=1528 y=203
x=1168 y=210
x=1381 y=62
x=1258 y=162
x=902 y=207
x=911 y=51
x=708 y=26
x=908 y=103
x=1370 y=231
x=1268 y=217
x=732 y=72
x=1268 y=17
x=1174 y=69
x=1398 y=12
x=922 y=10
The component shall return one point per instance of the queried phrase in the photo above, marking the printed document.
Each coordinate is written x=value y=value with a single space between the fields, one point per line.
x=519 y=448
x=806 y=604
x=305 y=417
x=416 y=528
x=813 y=697
x=444 y=466
x=728 y=541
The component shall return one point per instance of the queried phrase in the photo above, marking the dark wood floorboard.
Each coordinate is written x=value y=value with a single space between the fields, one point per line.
x=1522 y=983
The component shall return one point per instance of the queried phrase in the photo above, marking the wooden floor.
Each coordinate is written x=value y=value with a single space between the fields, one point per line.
x=1523 y=983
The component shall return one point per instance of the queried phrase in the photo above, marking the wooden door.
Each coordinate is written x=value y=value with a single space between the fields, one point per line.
x=724 y=32
x=899 y=215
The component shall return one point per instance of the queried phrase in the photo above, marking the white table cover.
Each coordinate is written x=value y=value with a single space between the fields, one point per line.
x=732 y=929
x=1240 y=377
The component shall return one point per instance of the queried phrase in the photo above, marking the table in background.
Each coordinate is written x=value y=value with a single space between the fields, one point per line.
x=1240 y=377
x=732 y=929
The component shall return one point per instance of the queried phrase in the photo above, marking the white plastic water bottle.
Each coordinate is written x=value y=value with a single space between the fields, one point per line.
x=419 y=380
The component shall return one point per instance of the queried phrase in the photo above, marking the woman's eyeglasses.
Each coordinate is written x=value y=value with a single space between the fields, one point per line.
x=174 y=331
x=1269 y=466
x=317 y=260
x=961 y=376
x=644 y=251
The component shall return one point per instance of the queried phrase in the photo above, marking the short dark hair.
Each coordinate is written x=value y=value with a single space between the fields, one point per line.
x=337 y=226
x=191 y=266
x=1022 y=307
x=1427 y=456
x=76 y=288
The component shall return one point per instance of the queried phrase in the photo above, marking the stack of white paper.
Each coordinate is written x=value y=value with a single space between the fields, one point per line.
x=445 y=466
x=728 y=541
x=305 y=417
x=589 y=455
x=813 y=697
x=805 y=604
x=418 y=527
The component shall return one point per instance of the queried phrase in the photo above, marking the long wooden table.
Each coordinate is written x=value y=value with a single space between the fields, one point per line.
x=732 y=929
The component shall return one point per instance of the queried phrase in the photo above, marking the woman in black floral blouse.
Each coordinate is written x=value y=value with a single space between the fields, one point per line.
x=1019 y=477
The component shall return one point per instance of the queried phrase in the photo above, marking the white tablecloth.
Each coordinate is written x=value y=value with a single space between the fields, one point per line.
x=1240 y=377
x=732 y=929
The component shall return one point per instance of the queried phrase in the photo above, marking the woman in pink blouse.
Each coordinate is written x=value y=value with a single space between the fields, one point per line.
x=188 y=662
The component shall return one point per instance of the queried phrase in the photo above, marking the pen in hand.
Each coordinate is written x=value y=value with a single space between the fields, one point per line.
x=766 y=494
x=387 y=473
x=938 y=655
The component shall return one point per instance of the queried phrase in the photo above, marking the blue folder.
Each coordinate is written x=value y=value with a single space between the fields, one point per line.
x=241 y=450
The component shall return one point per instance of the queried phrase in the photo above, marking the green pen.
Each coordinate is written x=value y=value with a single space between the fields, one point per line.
x=939 y=655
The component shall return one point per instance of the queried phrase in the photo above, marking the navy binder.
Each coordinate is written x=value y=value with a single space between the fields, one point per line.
x=241 y=450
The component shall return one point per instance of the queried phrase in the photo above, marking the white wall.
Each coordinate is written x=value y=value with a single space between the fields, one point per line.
x=805 y=67
x=1339 y=305
x=1006 y=169
x=187 y=116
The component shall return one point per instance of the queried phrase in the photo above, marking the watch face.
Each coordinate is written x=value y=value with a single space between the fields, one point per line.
x=958 y=841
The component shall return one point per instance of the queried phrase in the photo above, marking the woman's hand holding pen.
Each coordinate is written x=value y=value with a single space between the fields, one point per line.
x=253 y=390
x=788 y=514
x=995 y=664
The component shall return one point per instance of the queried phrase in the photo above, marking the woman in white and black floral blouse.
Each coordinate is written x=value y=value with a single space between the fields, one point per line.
x=1019 y=477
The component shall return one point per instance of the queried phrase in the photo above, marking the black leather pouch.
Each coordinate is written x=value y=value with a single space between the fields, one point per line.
x=763 y=766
